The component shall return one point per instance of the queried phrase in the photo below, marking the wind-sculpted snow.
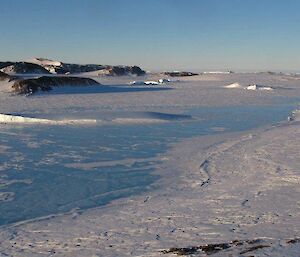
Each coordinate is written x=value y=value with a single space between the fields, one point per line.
x=130 y=118
x=14 y=119
x=258 y=87
x=234 y=85
x=213 y=192
x=248 y=205
x=251 y=87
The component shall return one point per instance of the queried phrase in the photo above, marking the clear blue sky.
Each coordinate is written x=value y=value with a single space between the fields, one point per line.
x=156 y=34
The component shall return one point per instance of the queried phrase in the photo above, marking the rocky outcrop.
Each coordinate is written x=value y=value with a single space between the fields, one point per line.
x=4 y=76
x=24 y=68
x=47 y=83
x=103 y=69
x=46 y=66
x=180 y=74
x=5 y=64
x=68 y=68
x=122 y=71
x=57 y=67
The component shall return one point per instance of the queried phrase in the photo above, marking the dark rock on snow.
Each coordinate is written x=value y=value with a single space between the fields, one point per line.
x=44 y=66
x=125 y=70
x=180 y=74
x=4 y=76
x=24 y=68
x=57 y=67
x=5 y=64
x=46 y=83
x=67 y=68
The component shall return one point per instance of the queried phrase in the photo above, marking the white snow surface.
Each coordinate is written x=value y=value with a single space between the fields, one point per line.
x=18 y=119
x=45 y=62
x=234 y=85
x=252 y=87
x=216 y=72
x=151 y=82
x=213 y=189
x=258 y=87
x=15 y=119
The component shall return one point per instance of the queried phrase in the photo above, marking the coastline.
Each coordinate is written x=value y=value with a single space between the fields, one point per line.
x=219 y=204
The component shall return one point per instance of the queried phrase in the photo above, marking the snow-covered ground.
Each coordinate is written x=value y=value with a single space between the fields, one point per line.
x=214 y=189
x=45 y=62
x=234 y=85
x=130 y=119
x=253 y=87
x=203 y=90
x=17 y=119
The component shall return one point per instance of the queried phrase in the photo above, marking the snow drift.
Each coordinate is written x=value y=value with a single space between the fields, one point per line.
x=234 y=85
x=258 y=87
x=15 y=119
x=117 y=119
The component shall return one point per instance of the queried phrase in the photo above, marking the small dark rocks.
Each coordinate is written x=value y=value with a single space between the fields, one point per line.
x=254 y=248
x=293 y=241
x=208 y=249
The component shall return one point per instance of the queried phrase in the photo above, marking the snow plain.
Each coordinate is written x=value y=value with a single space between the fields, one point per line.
x=238 y=189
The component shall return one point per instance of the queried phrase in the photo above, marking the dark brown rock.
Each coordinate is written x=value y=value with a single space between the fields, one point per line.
x=4 y=76
x=45 y=66
x=72 y=68
x=46 y=83
x=25 y=68
x=180 y=73
x=5 y=64
x=208 y=249
x=125 y=70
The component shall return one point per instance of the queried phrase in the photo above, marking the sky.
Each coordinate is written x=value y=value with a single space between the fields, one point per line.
x=155 y=34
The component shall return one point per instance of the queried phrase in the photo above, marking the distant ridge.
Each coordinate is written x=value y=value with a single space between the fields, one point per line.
x=5 y=64
x=24 y=68
x=47 y=66
x=57 y=67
